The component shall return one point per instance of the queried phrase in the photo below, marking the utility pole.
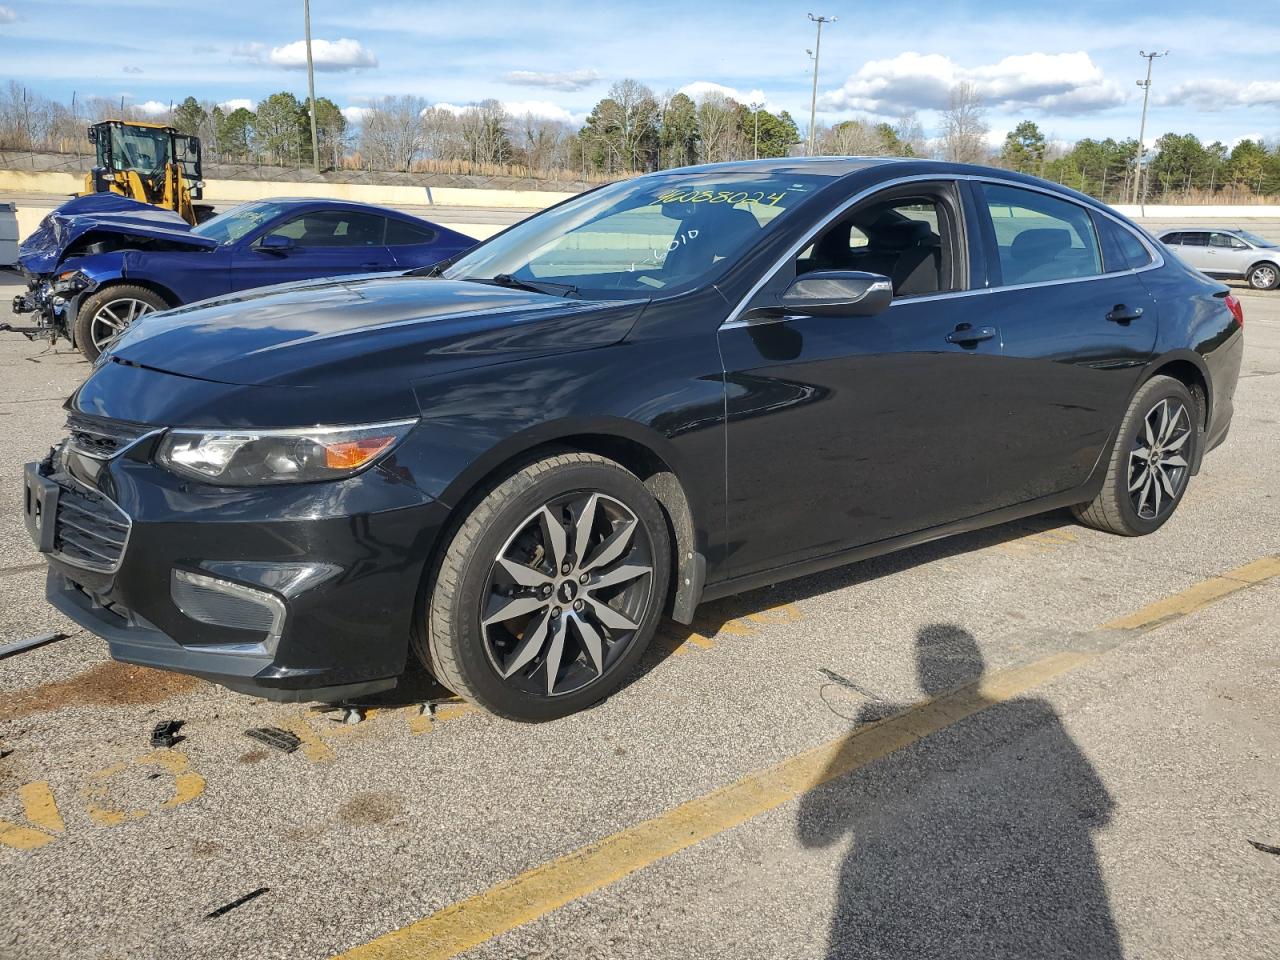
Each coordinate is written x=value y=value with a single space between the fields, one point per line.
x=311 y=88
x=755 y=144
x=817 y=52
x=1142 y=128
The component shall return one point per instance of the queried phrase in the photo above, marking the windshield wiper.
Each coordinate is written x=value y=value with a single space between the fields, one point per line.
x=537 y=286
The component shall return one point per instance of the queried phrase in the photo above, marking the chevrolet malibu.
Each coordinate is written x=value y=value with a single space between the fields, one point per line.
x=510 y=466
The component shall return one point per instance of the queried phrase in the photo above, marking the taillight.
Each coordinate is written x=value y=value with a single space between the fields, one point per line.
x=1236 y=307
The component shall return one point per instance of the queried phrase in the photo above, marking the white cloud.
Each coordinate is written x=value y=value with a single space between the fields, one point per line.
x=543 y=109
x=344 y=54
x=568 y=80
x=356 y=114
x=1211 y=94
x=7 y=15
x=229 y=106
x=700 y=88
x=1061 y=83
x=132 y=69
x=249 y=51
x=152 y=108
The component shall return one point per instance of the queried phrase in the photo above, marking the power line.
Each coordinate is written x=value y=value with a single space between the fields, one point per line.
x=817 y=52
x=1138 y=194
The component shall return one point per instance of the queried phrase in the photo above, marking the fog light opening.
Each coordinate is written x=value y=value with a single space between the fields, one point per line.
x=222 y=603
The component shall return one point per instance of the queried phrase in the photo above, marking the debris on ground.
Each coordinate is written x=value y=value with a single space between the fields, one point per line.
x=30 y=643
x=228 y=907
x=275 y=738
x=1265 y=848
x=166 y=733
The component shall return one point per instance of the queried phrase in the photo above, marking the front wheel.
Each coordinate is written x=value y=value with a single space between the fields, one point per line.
x=1264 y=276
x=105 y=315
x=1150 y=464
x=549 y=590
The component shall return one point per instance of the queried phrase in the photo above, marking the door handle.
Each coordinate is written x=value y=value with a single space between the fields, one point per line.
x=1122 y=314
x=966 y=334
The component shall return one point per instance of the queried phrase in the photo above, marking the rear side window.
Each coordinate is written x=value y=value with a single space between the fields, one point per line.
x=400 y=233
x=1121 y=250
x=1041 y=238
x=1171 y=239
x=1195 y=240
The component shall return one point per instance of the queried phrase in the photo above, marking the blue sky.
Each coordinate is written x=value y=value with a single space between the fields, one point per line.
x=1070 y=67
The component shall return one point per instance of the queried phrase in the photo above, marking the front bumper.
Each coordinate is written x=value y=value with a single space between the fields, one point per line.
x=339 y=566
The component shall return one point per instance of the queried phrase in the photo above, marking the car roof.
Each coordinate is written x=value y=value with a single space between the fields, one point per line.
x=1199 y=229
x=331 y=203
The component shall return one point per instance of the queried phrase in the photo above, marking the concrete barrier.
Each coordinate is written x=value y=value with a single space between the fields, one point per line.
x=1155 y=211
x=8 y=234
x=237 y=191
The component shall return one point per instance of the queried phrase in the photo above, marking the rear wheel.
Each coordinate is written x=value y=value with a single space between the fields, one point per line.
x=549 y=590
x=1264 y=276
x=105 y=315
x=1150 y=464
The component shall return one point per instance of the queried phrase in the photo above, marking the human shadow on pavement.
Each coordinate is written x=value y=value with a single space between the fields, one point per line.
x=976 y=841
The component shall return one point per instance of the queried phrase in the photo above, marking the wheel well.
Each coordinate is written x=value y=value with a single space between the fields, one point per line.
x=1262 y=263
x=687 y=564
x=161 y=291
x=1193 y=380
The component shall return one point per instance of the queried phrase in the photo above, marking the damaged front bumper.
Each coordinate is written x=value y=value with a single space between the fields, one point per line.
x=51 y=305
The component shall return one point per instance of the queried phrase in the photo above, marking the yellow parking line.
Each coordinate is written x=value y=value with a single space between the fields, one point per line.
x=549 y=886
x=1197 y=596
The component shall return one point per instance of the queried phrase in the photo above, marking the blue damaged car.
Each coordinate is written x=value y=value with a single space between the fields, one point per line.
x=99 y=262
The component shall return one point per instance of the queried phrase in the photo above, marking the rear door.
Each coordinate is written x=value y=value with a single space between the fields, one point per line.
x=1194 y=250
x=1077 y=326
x=326 y=243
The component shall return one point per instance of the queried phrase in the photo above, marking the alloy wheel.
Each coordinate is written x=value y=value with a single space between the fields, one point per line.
x=1157 y=463
x=1263 y=278
x=113 y=318
x=566 y=594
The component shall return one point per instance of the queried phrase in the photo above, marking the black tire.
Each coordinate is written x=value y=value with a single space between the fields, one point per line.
x=460 y=650
x=1117 y=509
x=1263 y=276
x=122 y=293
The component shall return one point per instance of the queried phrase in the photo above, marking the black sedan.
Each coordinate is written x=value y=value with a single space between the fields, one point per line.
x=665 y=390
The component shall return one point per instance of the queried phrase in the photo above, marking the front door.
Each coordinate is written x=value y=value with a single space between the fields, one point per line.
x=850 y=430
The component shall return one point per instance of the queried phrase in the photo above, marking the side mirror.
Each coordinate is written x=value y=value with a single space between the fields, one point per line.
x=838 y=293
x=276 y=243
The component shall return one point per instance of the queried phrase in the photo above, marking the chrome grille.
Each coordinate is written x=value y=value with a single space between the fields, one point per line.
x=90 y=531
x=102 y=439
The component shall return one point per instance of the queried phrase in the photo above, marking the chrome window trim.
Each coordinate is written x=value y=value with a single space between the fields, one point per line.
x=1157 y=258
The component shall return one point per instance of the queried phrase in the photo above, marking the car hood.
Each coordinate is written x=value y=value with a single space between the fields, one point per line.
x=108 y=216
x=390 y=327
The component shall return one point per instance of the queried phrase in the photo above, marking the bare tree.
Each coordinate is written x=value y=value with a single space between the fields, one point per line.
x=391 y=135
x=964 y=126
x=484 y=129
x=717 y=128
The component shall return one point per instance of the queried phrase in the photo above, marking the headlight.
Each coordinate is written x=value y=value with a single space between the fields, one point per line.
x=70 y=281
x=251 y=457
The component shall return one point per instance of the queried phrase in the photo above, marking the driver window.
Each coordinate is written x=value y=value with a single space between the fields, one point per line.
x=901 y=239
x=332 y=229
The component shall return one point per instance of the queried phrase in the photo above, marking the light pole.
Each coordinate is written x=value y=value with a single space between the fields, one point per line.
x=1142 y=128
x=311 y=88
x=755 y=143
x=817 y=52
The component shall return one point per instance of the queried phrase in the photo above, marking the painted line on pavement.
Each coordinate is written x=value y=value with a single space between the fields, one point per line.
x=536 y=892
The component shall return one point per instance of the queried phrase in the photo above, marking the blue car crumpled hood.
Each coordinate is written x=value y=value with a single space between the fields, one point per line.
x=383 y=329
x=104 y=213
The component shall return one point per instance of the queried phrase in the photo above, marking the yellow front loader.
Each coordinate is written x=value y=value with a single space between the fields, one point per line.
x=147 y=162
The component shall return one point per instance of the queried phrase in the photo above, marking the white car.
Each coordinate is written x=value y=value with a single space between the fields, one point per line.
x=1228 y=254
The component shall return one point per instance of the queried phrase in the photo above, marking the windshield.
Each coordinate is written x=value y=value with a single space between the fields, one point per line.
x=1256 y=240
x=138 y=148
x=230 y=226
x=656 y=233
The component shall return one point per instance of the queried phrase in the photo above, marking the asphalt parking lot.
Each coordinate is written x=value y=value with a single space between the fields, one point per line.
x=1037 y=740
